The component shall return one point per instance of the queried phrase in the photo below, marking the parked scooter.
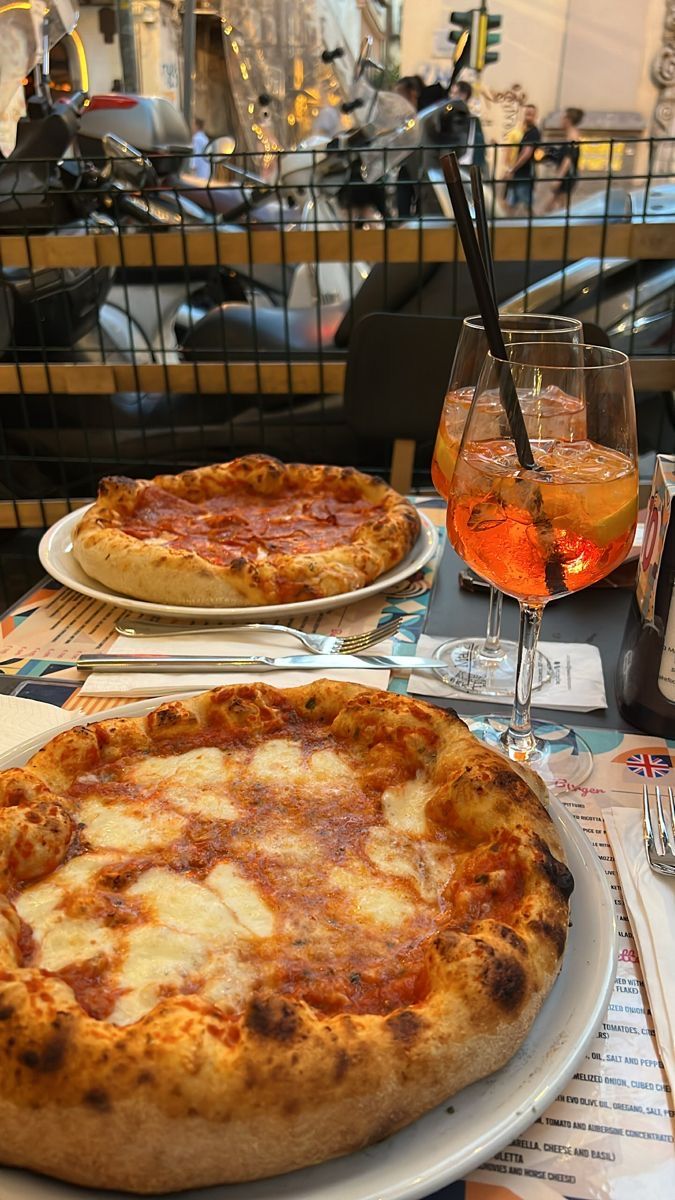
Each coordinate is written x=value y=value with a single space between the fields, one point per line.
x=49 y=309
x=333 y=179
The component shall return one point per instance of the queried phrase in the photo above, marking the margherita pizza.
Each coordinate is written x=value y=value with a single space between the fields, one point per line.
x=249 y=532
x=261 y=928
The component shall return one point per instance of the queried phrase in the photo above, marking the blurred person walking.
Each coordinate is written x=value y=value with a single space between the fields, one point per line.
x=567 y=155
x=520 y=177
x=199 y=164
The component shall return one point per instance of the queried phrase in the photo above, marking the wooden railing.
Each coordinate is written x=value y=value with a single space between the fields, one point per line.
x=198 y=248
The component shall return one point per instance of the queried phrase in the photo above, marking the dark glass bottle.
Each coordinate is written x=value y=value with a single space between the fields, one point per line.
x=645 y=678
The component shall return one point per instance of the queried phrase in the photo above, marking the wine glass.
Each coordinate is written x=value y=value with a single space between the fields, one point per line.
x=486 y=666
x=540 y=534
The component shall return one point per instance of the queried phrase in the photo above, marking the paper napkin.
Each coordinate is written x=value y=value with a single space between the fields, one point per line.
x=23 y=719
x=577 y=683
x=251 y=642
x=650 y=902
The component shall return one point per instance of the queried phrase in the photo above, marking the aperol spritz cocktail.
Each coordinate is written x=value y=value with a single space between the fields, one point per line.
x=541 y=532
x=485 y=666
x=562 y=417
x=538 y=535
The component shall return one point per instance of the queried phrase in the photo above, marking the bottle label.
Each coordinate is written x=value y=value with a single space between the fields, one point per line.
x=667 y=667
x=656 y=528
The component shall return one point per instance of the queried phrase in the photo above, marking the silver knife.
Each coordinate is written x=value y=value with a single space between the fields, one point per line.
x=229 y=662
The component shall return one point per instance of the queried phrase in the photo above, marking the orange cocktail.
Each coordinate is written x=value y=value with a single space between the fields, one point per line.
x=449 y=437
x=540 y=534
x=557 y=416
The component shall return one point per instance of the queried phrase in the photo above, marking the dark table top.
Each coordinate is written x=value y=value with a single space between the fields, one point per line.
x=595 y=616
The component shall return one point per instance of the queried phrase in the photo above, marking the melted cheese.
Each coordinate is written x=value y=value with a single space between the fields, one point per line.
x=183 y=904
x=206 y=765
x=428 y=866
x=61 y=939
x=278 y=761
x=199 y=785
x=404 y=806
x=241 y=899
x=156 y=958
x=36 y=904
x=196 y=930
x=299 y=860
x=325 y=766
x=74 y=940
x=111 y=826
x=377 y=901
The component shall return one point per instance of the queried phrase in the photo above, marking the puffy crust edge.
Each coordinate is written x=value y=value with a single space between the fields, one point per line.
x=162 y=574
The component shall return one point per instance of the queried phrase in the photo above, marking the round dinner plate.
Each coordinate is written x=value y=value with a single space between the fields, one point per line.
x=455 y=1138
x=57 y=558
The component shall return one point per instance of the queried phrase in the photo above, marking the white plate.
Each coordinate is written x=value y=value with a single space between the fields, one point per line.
x=443 y=1145
x=57 y=558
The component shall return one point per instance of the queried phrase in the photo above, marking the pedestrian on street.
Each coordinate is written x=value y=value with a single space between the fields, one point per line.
x=520 y=185
x=199 y=163
x=568 y=156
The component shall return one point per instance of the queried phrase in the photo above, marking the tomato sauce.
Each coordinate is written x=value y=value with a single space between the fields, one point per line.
x=243 y=524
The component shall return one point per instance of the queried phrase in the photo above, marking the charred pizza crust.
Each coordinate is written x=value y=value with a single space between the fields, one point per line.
x=233 y=559
x=193 y=1094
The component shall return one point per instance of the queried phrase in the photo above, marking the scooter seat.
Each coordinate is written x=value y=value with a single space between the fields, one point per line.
x=243 y=330
x=227 y=202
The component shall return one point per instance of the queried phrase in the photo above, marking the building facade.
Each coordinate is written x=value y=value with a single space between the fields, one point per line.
x=278 y=45
x=615 y=59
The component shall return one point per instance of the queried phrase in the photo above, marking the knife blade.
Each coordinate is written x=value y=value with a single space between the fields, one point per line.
x=213 y=663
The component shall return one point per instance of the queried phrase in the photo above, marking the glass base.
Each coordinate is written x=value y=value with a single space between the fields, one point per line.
x=560 y=756
x=466 y=669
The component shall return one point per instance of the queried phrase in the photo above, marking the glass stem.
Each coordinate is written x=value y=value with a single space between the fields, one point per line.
x=491 y=647
x=519 y=738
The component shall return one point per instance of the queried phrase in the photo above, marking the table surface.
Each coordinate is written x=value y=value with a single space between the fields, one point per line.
x=595 y=616
x=612 y=1127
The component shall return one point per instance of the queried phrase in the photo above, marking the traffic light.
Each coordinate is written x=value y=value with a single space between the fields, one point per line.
x=461 y=39
x=476 y=31
x=491 y=39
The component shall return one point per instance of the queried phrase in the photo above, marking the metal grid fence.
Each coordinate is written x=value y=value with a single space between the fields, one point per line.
x=152 y=324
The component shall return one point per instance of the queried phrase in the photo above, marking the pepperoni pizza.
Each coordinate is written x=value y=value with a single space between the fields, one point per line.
x=253 y=531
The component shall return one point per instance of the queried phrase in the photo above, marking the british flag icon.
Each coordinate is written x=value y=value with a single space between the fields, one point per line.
x=649 y=766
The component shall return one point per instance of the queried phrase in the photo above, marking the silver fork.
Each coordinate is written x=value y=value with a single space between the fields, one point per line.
x=317 y=643
x=659 y=846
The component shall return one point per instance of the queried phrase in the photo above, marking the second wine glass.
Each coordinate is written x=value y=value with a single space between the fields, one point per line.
x=486 y=666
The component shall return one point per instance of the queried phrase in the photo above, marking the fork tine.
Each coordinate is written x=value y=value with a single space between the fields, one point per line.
x=382 y=631
x=378 y=632
x=648 y=831
x=661 y=821
x=370 y=637
x=667 y=834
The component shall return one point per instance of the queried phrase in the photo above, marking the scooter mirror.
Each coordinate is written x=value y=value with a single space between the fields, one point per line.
x=222 y=146
x=128 y=163
x=364 y=58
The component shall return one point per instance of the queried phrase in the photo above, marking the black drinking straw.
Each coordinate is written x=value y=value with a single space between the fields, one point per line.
x=482 y=228
x=488 y=309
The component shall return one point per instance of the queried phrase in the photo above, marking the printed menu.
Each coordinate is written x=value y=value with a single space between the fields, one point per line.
x=609 y=1134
